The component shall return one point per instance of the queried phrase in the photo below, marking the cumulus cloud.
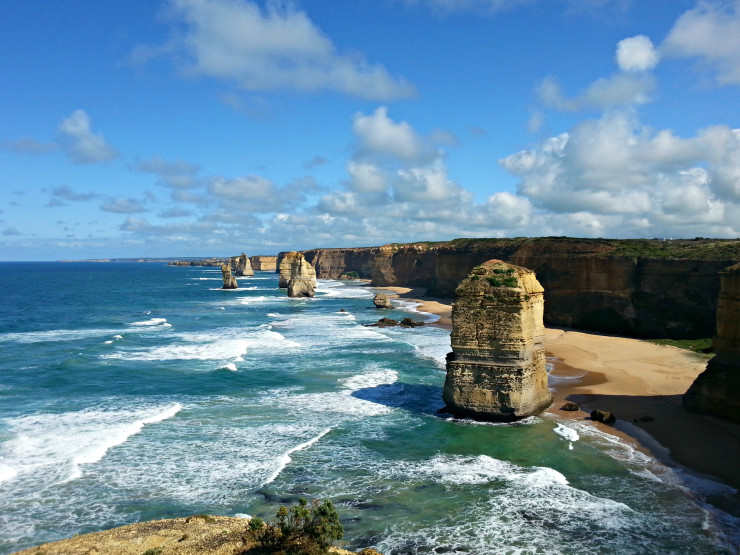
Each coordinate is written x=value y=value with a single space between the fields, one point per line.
x=65 y=192
x=618 y=176
x=636 y=54
x=274 y=48
x=619 y=90
x=79 y=142
x=123 y=206
x=711 y=33
x=379 y=134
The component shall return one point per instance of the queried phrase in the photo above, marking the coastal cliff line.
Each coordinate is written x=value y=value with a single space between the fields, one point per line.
x=636 y=287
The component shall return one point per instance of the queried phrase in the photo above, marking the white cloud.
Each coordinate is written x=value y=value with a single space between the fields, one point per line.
x=78 y=141
x=277 y=47
x=29 y=146
x=621 y=178
x=179 y=175
x=379 y=134
x=429 y=185
x=636 y=54
x=621 y=89
x=366 y=178
x=710 y=32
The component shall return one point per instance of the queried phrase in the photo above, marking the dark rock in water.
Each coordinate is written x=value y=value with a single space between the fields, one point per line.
x=409 y=323
x=229 y=280
x=381 y=300
x=383 y=323
x=603 y=416
x=570 y=406
x=342 y=310
x=370 y=551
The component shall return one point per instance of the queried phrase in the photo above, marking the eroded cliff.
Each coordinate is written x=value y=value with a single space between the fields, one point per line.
x=496 y=370
x=263 y=263
x=297 y=275
x=716 y=391
x=645 y=288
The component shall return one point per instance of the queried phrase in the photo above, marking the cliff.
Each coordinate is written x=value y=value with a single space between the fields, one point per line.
x=496 y=370
x=716 y=391
x=263 y=263
x=644 y=288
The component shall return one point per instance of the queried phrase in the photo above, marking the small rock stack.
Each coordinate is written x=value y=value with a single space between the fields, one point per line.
x=496 y=370
x=240 y=266
x=297 y=275
x=229 y=280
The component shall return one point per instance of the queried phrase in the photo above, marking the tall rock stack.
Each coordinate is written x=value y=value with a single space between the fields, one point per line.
x=297 y=275
x=496 y=370
x=716 y=391
x=241 y=266
x=229 y=280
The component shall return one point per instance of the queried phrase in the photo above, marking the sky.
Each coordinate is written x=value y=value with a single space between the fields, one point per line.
x=173 y=128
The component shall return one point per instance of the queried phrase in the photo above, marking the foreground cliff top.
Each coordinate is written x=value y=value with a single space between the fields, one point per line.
x=195 y=535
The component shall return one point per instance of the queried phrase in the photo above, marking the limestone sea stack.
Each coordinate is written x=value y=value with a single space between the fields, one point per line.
x=298 y=275
x=381 y=300
x=716 y=391
x=241 y=266
x=496 y=370
x=229 y=280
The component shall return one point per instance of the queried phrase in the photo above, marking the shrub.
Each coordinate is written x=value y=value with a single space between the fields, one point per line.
x=301 y=530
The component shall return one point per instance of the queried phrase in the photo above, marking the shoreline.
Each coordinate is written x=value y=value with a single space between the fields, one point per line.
x=642 y=384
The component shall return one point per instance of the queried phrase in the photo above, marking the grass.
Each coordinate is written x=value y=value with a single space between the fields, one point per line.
x=702 y=345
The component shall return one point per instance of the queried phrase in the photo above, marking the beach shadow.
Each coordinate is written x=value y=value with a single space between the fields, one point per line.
x=418 y=398
x=697 y=441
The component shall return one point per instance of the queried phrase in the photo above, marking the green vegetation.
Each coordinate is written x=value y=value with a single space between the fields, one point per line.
x=153 y=551
x=301 y=530
x=350 y=275
x=505 y=282
x=701 y=346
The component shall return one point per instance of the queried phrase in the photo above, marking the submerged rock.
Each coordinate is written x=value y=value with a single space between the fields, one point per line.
x=229 y=280
x=716 y=391
x=381 y=300
x=496 y=370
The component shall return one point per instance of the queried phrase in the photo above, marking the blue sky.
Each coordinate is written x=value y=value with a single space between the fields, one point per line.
x=212 y=127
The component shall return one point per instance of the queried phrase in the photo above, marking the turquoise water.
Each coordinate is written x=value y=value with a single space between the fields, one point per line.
x=131 y=392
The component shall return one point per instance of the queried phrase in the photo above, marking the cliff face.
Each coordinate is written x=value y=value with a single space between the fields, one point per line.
x=497 y=368
x=646 y=288
x=263 y=263
x=716 y=391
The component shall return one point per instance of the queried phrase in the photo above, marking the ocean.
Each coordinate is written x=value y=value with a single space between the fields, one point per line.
x=137 y=391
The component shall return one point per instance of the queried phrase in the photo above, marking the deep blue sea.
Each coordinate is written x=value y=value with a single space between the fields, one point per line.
x=133 y=391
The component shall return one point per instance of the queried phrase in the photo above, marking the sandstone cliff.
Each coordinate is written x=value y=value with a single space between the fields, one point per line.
x=496 y=370
x=645 y=288
x=229 y=280
x=716 y=391
x=263 y=263
x=240 y=266
x=298 y=275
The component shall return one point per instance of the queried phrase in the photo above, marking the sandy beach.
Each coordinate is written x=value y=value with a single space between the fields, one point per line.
x=641 y=383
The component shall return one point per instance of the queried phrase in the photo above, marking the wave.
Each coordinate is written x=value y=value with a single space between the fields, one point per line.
x=285 y=459
x=152 y=322
x=54 y=335
x=568 y=434
x=49 y=448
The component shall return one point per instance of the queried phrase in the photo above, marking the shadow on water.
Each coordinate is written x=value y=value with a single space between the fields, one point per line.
x=417 y=398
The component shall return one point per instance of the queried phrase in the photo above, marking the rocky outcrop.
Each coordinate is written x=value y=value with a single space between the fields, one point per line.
x=381 y=300
x=240 y=266
x=496 y=370
x=716 y=391
x=263 y=263
x=194 y=535
x=297 y=275
x=229 y=280
x=643 y=288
